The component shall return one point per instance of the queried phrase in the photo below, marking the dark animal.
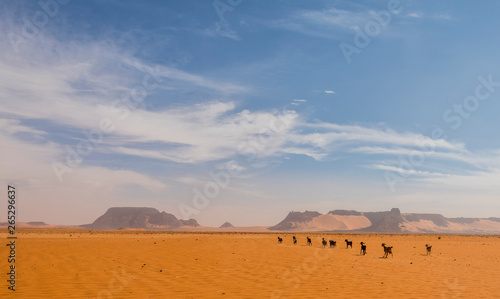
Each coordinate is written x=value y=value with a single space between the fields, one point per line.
x=428 y=249
x=333 y=243
x=324 y=242
x=387 y=250
x=294 y=240
x=280 y=240
x=363 y=248
x=309 y=242
x=348 y=243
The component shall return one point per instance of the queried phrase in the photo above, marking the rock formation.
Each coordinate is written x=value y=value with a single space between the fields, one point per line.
x=226 y=224
x=131 y=217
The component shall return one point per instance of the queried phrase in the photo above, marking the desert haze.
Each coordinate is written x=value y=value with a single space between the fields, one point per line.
x=392 y=221
x=131 y=252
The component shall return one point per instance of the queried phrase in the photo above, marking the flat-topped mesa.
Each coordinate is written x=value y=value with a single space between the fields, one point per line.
x=349 y=220
x=345 y=213
x=37 y=223
x=438 y=219
x=138 y=217
x=385 y=222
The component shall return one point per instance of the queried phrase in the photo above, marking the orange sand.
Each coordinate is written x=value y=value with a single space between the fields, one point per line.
x=131 y=264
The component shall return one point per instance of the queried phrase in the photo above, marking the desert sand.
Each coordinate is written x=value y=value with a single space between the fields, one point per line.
x=142 y=264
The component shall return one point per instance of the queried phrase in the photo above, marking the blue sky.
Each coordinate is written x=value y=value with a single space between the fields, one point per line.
x=242 y=111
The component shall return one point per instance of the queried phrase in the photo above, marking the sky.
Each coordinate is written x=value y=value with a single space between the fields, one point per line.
x=242 y=111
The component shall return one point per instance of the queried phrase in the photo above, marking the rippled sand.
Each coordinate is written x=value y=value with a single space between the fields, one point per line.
x=130 y=264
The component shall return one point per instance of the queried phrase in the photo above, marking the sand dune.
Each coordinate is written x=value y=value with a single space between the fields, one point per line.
x=142 y=264
x=333 y=222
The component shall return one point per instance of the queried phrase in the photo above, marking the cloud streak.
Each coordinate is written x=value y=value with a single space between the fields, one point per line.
x=80 y=90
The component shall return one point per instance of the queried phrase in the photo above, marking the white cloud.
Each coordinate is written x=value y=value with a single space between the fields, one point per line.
x=221 y=28
x=231 y=166
x=297 y=102
x=78 y=91
x=352 y=134
x=322 y=23
x=182 y=76
x=406 y=172
x=416 y=15
x=420 y=15
x=328 y=23
x=207 y=131
x=458 y=155
x=11 y=127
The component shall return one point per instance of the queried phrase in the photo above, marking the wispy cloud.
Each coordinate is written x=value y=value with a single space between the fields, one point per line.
x=297 y=102
x=457 y=153
x=210 y=130
x=406 y=171
x=322 y=23
x=431 y=16
x=222 y=28
x=78 y=90
x=330 y=23
x=28 y=166
x=380 y=135
x=188 y=78
x=416 y=15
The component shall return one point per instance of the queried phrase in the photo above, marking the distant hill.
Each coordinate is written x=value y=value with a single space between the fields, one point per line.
x=294 y=220
x=145 y=218
x=384 y=222
x=37 y=223
x=226 y=224
x=392 y=221
x=40 y=225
